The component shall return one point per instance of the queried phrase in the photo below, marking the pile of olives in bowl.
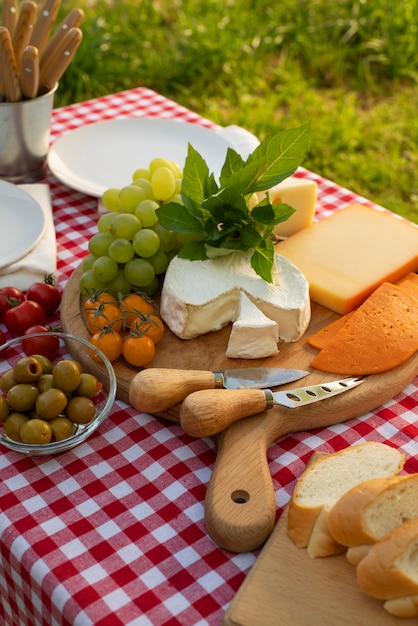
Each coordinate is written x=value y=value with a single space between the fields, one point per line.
x=48 y=406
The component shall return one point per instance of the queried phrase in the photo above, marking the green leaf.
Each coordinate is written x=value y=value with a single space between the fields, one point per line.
x=173 y=216
x=282 y=212
x=262 y=260
x=233 y=163
x=194 y=251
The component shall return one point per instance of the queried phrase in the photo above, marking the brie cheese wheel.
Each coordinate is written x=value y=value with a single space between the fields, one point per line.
x=199 y=297
x=253 y=335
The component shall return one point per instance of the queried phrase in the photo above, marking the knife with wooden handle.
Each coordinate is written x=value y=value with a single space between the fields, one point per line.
x=155 y=389
x=29 y=72
x=8 y=68
x=23 y=31
x=206 y=413
x=43 y=26
x=10 y=15
x=72 y=20
x=55 y=65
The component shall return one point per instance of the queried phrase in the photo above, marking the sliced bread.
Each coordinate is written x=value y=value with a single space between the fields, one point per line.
x=368 y=511
x=325 y=481
x=390 y=569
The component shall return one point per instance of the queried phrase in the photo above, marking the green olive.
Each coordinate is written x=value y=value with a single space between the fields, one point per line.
x=45 y=382
x=80 y=410
x=35 y=431
x=4 y=408
x=7 y=381
x=50 y=403
x=66 y=375
x=45 y=363
x=89 y=386
x=62 y=428
x=27 y=370
x=22 y=397
x=12 y=425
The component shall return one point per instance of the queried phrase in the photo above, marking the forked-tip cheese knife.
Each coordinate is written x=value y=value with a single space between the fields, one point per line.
x=206 y=413
x=155 y=389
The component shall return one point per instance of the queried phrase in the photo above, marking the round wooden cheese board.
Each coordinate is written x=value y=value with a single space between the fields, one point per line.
x=240 y=502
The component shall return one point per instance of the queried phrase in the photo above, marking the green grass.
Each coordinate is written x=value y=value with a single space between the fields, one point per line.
x=349 y=67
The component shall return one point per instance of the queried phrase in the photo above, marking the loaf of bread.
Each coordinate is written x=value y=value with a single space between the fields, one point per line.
x=325 y=481
x=390 y=569
x=370 y=510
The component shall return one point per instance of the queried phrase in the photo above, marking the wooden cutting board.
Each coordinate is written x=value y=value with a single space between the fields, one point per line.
x=240 y=503
x=285 y=586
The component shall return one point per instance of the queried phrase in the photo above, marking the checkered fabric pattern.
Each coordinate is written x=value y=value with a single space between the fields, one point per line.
x=112 y=533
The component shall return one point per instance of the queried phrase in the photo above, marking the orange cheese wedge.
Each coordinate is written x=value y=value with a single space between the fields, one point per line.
x=381 y=334
x=320 y=339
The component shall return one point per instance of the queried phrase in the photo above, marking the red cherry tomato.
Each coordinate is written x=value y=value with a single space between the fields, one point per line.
x=9 y=296
x=47 y=345
x=19 y=318
x=46 y=294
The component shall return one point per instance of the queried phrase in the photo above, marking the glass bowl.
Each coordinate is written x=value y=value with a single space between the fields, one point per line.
x=12 y=351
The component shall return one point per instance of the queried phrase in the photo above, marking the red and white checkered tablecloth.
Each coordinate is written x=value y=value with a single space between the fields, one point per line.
x=112 y=533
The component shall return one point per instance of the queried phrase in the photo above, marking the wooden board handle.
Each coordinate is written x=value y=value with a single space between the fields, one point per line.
x=156 y=389
x=240 y=506
x=206 y=413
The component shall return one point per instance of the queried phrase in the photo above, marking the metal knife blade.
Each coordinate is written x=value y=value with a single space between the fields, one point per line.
x=206 y=413
x=155 y=389
x=256 y=377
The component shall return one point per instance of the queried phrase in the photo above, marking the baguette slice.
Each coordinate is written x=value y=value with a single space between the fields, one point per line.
x=367 y=512
x=325 y=481
x=390 y=569
x=403 y=607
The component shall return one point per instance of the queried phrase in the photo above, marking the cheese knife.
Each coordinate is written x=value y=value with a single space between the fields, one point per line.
x=155 y=389
x=206 y=413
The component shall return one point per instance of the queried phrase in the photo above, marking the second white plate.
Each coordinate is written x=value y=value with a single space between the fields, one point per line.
x=105 y=154
x=22 y=223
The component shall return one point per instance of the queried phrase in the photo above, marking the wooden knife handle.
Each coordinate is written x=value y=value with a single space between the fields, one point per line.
x=23 y=31
x=155 y=389
x=43 y=26
x=72 y=20
x=8 y=69
x=29 y=72
x=10 y=15
x=206 y=413
x=55 y=65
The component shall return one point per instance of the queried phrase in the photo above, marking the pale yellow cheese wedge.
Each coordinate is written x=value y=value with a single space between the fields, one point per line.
x=346 y=256
x=301 y=194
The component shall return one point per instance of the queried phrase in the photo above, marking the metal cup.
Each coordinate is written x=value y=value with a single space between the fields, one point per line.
x=24 y=138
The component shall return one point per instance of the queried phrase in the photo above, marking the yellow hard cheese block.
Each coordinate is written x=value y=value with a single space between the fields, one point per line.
x=346 y=256
x=299 y=193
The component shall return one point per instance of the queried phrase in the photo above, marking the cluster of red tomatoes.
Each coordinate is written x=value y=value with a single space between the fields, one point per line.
x=129 y=327
x=28 y=312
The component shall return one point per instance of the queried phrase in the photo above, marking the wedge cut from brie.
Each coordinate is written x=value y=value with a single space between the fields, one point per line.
x=199 y=297
x=253 y=335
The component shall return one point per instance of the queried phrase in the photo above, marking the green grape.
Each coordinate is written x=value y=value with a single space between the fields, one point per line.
x=159 y=162
x=146 y=242
x=152 y=288
x=90 y=283
x=120 y=283
x=176 y=198
x=104 y=222
x=125 y=225
x=163 y=183
x=105 y=269
x=145 y=212
x=159 y=262
x=167 y=238
x=142 y=172
x=177 y=171
x=121 y=250
x=110 y=199
x=139 y=272
x=146 y=188
x=179 y=182
x=129 y=197
x=99 y=243
x=88 y=262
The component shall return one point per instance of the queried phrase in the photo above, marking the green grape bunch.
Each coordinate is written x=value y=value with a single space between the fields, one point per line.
x=131 y=250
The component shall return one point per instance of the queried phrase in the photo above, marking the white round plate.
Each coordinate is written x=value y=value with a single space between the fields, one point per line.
x=105 y=154
x=22 y=223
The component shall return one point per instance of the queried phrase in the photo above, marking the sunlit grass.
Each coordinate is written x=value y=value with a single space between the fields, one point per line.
x=349 y=67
